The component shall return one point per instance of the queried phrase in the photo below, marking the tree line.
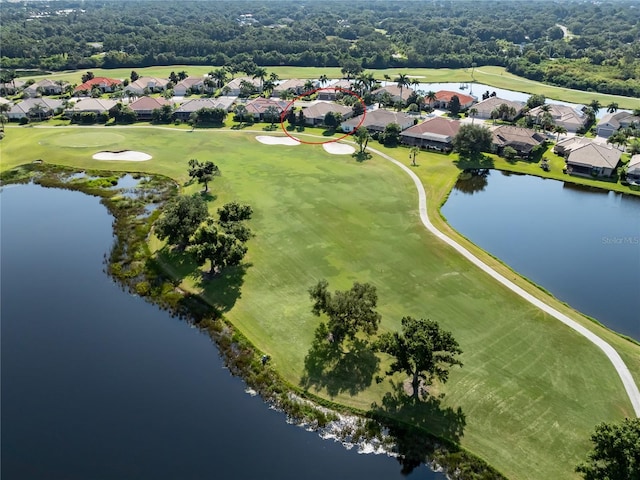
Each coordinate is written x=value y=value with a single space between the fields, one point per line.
x=422 y=34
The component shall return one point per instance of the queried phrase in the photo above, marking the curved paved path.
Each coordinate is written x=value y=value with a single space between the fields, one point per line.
x=624 y=373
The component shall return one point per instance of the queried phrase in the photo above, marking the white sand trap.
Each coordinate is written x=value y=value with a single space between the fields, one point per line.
x=338 y=148
x=269 y=140
x=126 y=155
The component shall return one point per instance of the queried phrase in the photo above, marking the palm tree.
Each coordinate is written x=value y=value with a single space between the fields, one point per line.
x=431 y=97
x=220 y=76
x=402 y=81
x=309 y=85
x=3 y=120
x=595 y=106
x=618 y=138
x=612 y=107
x=323 y=80
x=37 y=110
x=387 y=78
x=273 y=76
x=560 y=130
x=260 y=73
x=472 y=113
x=182 y=75
x=412 y=155
x=267 y=88
x=240 y=114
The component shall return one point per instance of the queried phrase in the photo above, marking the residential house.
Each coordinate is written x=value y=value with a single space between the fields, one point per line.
x=233 y=88
x=186 y=109
x=633 y=170
x=563 y=115
x=329 y=93
x=294 y=85
x=189 y=85
x=566 y=145
x=35 y=108
x=147 y=84
x=314 y=114
x=91 y=105
x=44 y=87
x=435 y=133
x=104 y=84
x=144 y=106
x=396 y=94
x=443 y=97
x=593 y=159
x=377 y=120
x=611 y=122
x=486 y=107
x=11 y=88
x=258 y=106
x=522 y=140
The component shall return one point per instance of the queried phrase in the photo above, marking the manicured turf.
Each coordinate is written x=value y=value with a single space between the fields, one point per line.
x=494 y=76
x=531 y=390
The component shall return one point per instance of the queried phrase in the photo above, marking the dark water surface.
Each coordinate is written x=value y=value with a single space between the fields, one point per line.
x=581 y=245
x=99 y=384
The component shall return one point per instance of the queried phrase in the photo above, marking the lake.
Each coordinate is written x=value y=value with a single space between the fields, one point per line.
x=582 y=245
x=99 y=384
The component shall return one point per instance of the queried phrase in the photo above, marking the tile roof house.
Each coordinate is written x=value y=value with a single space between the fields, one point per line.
x=233 y=87
x=153 y=85
x=144 y=106
x=188 y=85
x=563 y=115
x=485 y=107
x=103 y=83
x=258 y=106
x=40 y=108
x=633 y=169
x=10 y=88
x=522 y=140
x=435 y=133
x=295 y=85
x=566 y=145
x=443 y=97
x=95 y=105
x=186 y=109
x=314 y=114
x=593 y=159
x=394 y=92
x=377 y=120
x=330 y=94
x=614 y=121
x=48 y=87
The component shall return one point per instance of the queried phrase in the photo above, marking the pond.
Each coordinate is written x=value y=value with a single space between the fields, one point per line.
x=99 y=384
x=582 y=245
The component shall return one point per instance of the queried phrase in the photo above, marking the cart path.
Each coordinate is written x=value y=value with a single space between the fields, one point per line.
x=624 y=373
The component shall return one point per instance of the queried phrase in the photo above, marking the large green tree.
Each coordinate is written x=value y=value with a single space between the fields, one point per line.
x=180 y=219
x=362 y=138
x=203 y=172
x=472 y=139
x=349 y=312
x=221 y=247
x=422 y=350
x=615 y=454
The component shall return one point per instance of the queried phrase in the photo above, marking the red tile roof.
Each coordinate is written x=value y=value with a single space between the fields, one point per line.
x=435 y=125
x=446 y=96
x=97 y=81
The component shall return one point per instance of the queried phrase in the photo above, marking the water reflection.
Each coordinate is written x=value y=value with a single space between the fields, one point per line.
x=472 y=181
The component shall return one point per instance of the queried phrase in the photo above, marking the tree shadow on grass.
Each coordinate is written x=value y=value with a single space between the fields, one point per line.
x=361 y=156
x=409 y=419
x=474 y=162
x=326 y=366
x=223 y=290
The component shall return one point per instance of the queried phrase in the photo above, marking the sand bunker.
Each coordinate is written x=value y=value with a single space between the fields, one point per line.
x=269 y=140
x=338 y=148
x=126 y=155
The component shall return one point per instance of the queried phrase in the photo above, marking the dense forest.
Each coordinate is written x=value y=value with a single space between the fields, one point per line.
x=578 y=44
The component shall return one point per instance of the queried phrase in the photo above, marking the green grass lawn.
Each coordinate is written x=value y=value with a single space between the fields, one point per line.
x=531 y=390
x=494 y=76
